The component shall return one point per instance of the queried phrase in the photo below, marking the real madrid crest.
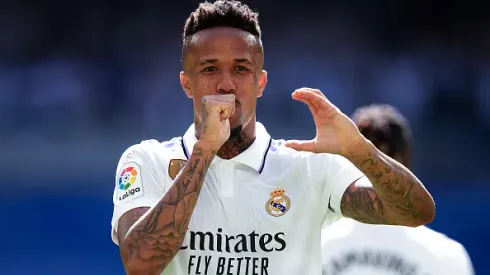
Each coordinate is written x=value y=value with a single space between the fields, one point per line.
x=278 y=204
x=174 y=167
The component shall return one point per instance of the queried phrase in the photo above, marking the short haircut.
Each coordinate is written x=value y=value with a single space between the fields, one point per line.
x=385 y=126
x=222 y=13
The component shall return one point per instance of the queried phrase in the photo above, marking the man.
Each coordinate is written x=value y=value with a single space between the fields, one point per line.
x=352 y=248
x=244 y=203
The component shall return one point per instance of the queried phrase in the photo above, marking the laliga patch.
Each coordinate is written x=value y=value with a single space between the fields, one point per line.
x=129 y=183
x=175 y=166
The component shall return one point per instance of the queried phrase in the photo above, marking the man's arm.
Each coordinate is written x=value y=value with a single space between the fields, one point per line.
x=393 y=196
x=149 y=238
x=127 y=221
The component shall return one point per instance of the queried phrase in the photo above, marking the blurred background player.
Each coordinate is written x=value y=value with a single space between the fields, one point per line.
x=353 y=248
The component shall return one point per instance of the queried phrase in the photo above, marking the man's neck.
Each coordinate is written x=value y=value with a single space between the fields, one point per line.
x=239 y=141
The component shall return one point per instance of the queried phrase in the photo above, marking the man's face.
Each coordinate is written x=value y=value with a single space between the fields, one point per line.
x=224 y=61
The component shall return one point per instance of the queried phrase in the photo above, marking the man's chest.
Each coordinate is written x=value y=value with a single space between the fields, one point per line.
x=238 y=199
x=252 y=229
x=248 y=223
x=241 y=201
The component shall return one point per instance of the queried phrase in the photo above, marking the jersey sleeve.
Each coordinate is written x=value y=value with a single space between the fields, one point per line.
x=340 y=173
x=136 y=184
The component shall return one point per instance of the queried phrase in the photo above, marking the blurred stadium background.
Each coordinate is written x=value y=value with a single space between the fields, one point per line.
x=80 y=81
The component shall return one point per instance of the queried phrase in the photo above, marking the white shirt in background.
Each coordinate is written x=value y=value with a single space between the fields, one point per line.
x=353 y=248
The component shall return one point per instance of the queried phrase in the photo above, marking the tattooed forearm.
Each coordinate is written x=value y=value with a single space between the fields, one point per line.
x=398 y=196
x=154 y=240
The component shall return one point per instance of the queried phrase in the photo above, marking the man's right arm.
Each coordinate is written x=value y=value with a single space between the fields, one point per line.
x=149 y=238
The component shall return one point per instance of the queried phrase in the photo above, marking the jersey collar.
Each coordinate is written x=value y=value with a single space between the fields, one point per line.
x=253 y=157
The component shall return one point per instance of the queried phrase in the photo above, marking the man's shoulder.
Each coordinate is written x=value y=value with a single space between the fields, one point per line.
x=154 y=146
x=425 y=233
x=430 y=237
x=450 y=251
x=152 y=150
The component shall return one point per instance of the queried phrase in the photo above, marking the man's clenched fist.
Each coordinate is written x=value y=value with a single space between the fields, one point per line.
x=215 y=128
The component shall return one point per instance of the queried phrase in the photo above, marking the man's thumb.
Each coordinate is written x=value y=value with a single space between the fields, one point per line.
x=300 y=145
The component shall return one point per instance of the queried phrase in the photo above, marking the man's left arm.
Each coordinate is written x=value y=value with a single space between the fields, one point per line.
x=396 y=195
x=388 y=194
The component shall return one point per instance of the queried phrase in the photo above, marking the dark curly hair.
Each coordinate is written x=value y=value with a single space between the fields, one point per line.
x=386 y=128
x=222 y=13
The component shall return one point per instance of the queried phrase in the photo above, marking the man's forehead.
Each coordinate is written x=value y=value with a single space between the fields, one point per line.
x=216 y=42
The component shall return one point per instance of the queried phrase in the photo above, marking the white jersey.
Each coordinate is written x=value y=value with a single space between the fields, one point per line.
x=353 y=248
x=258 y=213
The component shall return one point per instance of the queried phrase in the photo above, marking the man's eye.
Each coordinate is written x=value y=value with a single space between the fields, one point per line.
x=242 y=69
x=209 y=69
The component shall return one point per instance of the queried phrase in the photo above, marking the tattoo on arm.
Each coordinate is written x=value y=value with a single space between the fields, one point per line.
x=127 y=221
x=362 y=204
x=397 y=196
x=156 y=238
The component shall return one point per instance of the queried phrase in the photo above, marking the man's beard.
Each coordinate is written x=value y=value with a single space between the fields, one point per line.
x=236 y=134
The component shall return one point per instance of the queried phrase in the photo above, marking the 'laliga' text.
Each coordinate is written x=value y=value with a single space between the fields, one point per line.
x=129 y=193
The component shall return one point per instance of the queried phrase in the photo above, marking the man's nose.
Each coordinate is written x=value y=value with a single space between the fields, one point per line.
x=226 y=86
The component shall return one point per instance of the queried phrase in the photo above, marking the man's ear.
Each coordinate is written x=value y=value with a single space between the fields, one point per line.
x=262 y=82
x=186 y=84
